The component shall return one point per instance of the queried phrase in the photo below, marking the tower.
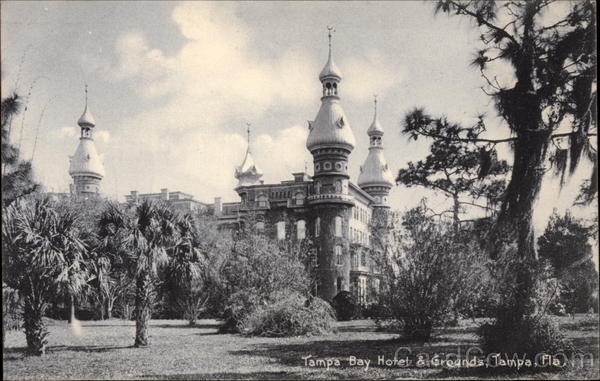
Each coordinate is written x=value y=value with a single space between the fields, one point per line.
x=248 y=172
x=375 y=175
x=85 y=167
x=330 y=141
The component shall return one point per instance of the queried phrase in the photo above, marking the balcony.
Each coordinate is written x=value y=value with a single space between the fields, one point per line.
x=330 y=198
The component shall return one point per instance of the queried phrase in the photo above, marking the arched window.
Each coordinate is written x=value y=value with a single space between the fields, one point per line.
x=300 y=229
x=338 y=226
x=339 y=284
x=317 y=226
x=281 y=230
x=339 y=259
x=317 y=187
x=299 y=198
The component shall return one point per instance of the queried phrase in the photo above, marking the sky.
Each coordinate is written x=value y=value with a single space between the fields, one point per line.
x=172 y=86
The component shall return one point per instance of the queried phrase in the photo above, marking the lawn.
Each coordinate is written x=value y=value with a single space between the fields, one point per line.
x=177 y=351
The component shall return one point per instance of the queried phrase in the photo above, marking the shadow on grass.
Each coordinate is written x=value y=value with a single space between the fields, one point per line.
x=228 y=376
x=87 y=348
x=197 y=326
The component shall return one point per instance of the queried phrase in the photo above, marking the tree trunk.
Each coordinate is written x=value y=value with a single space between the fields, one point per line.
x=142 y=308
x=35 y=329
x=71 y=303
x=109 y=307
x=522 y=191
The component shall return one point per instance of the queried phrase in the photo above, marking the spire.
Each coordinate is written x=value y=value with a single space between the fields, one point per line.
x=330 y=127
x=375 y=172
x=248 y=172
x=86 y=120
x=375 y=128
x=330 y=71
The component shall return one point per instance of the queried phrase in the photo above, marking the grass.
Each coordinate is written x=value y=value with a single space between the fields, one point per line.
x=177 y=351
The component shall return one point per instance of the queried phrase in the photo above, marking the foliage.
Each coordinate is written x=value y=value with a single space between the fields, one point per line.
x=430 y=270
x=292 y=315
x=142 y=234
x=565 y=241
x=459 y=170
x=252 y=270
x=521 y=323
x=17 y=177
x=45 y=257
x=345 y=306
x=565 y=244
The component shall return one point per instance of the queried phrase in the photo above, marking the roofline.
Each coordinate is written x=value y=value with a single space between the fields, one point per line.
x=361 y=191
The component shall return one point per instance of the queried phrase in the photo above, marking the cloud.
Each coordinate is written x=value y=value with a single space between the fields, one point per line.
x=102 y=135
x=68 y=132
x=369 y=74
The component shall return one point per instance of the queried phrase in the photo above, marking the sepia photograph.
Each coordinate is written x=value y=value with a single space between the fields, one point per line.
x=299 y=190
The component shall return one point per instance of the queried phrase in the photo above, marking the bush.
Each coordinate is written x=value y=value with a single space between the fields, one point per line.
x=293 y=315
x=377 y=311
x=239 y=306
x=530 y=336
x=345 y=306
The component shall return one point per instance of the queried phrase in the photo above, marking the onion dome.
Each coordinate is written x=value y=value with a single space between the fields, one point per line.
x=86 y=161
x=375 y=171
x=330 y=127
x=86 y=119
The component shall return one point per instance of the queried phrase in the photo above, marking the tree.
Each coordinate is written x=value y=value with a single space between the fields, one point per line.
x=17 y=178
x=430 y=268
x=549 y=109
x=460 y=171
x=565 y=244
x=143 y=234
x=183 y=277
x=45 y=255
x=554 y=65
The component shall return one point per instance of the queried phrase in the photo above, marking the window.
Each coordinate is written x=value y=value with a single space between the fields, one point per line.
x=339 y=283
x=301 y=229
x=262 y=201
x=299 y=198
x=315 y=258
x=338 y=226
x=339 y=260
x=363 y=259
x=317 y=226
x=281 y=230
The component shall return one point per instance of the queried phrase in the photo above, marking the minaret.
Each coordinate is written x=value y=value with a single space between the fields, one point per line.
x=248 y=172
x=330 y=141
x=85 y=167
x=375 y=175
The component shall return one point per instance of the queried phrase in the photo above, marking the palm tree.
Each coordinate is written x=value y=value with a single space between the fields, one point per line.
x=144 y=234
x=183 y=275
x=44 y=256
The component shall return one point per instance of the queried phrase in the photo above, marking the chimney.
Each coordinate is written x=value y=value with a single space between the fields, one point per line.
x=218 y=206
x=164 y=194
x=134 y=196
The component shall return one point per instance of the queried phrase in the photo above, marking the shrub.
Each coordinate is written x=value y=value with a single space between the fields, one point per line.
x=431 y=273
x=377 y=311
x=293 y=315
x=239 y=306
x=521 y=325
x=345 y=306
x=530 y=336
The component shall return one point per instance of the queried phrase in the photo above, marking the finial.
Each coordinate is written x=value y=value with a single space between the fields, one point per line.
x=329 y=30
x=86 y=95
x=248 y=131
x=375 y=103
